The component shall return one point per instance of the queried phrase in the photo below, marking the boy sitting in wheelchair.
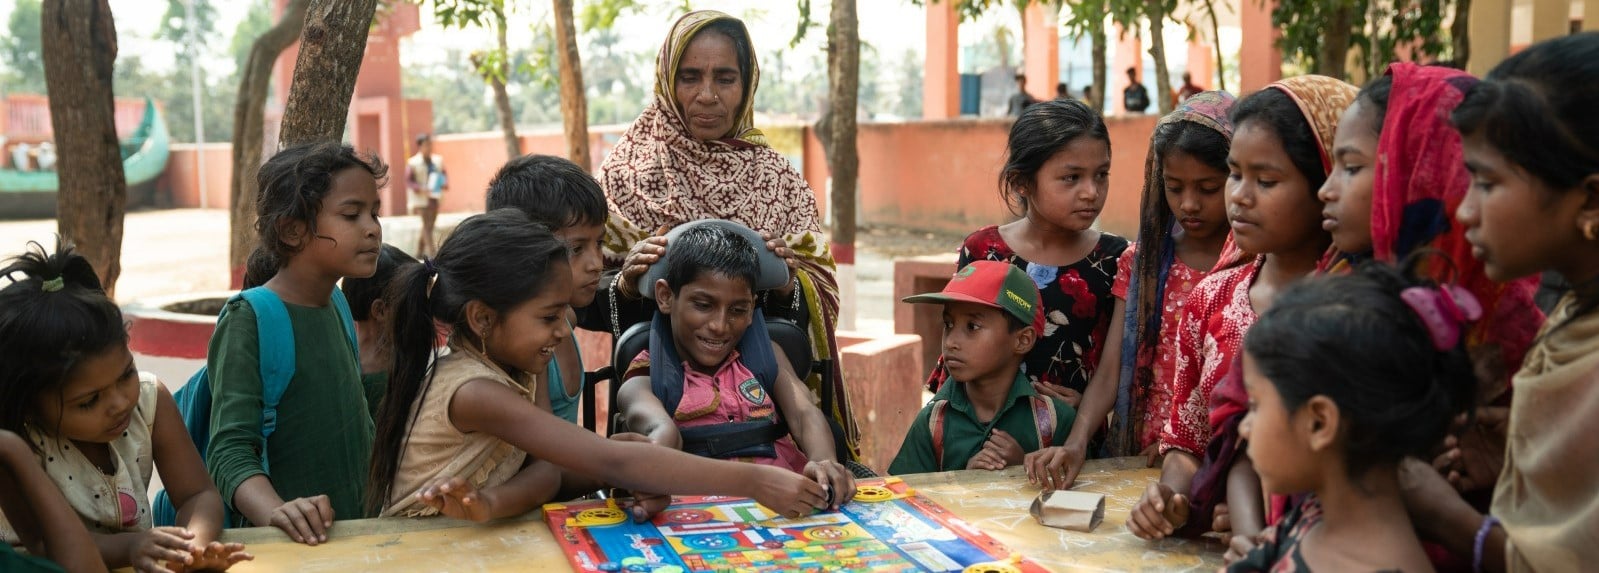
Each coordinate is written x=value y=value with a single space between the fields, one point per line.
x=712 y=382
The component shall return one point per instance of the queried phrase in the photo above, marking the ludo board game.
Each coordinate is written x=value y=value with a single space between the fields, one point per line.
x=888 y=527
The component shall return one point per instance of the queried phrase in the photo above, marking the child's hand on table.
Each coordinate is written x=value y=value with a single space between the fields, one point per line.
x=457 y=498
x=1055 y=467
x=1240 y=546
x=215 y=556
x=787 y=493
x=1158 y=513
x=642 y=506
x=986 y=459
x=835 y=479
x=159 y=546
x=305 y=520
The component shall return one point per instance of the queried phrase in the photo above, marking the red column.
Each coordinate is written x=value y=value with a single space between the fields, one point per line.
x=941 y=93
x=1259 y=60
x=1041 y=55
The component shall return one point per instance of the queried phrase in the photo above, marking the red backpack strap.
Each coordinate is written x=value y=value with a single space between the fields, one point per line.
x=1044 y=419
x=935 y=425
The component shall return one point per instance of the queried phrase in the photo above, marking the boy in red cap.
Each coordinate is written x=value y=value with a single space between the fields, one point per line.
x=992 y=417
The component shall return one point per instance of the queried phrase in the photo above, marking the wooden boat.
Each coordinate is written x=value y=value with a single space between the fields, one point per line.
x=32 y=194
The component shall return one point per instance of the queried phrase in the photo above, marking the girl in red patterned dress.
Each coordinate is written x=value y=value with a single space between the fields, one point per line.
x=1056 y=176
x=1278 y=160
x=1183 y=220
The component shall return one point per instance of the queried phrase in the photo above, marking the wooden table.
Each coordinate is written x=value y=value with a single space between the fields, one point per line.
x=996 y=502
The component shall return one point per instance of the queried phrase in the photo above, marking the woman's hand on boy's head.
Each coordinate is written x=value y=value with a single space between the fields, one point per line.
x=639 y=259
x=1158 y=513
x=835 y=479
x=779 y=247
x=160 y=546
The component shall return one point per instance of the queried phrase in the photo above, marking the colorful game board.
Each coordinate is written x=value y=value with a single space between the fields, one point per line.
x=888 y=527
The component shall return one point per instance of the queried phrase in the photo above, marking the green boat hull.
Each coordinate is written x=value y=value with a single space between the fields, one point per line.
x=32 y=194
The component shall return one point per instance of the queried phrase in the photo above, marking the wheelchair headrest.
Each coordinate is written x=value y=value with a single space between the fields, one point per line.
x=773 y=272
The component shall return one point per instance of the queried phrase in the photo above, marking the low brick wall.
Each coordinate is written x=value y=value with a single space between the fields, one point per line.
x=885 y=391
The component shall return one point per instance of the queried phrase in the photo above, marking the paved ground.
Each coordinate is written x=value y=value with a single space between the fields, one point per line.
x=185 y=250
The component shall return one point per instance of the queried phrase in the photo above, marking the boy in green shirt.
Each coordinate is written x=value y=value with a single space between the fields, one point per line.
x=991 y=417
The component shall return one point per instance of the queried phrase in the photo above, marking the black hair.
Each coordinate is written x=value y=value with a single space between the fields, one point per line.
x=733 y=29
x=422 y=138
x=1374 y=98
x=711 y=249
x=259 y=268
x=1352 y=339
x=1275 y=109
x=362 y=292
x=53 y=315
x=1198 y=141
x=292 y=185
x=1536 y=109
x=500 y=259
x=550 y=190
x=1042 y=130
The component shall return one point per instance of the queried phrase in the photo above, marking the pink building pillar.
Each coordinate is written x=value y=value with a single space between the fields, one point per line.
x=1129 y=54
x=1260 y=62
x=1201 y=66
x=1041 y=55
x=941 y=93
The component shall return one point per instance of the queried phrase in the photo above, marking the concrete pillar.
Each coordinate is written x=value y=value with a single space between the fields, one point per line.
x=941 y=90
x=1550 y=19
x=1590 y=15
x=1129 y=53
x=1041 y=55
x=1260 y=62
x=1490 y=35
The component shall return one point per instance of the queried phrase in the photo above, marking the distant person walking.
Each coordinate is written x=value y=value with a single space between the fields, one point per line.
x=1020 y=100
x=1135 y=98
x=1188 y=90
x=424 y=177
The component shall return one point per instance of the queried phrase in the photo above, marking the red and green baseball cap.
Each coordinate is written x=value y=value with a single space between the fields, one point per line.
x=996 y=284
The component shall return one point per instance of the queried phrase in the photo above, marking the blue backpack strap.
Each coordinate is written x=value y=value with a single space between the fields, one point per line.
x=666 y=369
x=342 y=306
x=276 y=334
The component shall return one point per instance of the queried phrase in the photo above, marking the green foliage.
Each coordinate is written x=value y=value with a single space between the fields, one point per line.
x=1377 y=28
x=256 y=22
x=22 y=50
x=602 y=14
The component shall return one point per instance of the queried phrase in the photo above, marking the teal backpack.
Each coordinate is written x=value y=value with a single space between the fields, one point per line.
x=276 y=335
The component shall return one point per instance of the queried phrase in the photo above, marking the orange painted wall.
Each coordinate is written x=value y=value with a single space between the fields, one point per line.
x=944 y=175
x=937 y=175
x=182 y=179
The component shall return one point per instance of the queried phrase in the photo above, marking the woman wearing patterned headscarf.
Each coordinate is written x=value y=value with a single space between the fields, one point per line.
x=1280 y=157
x=694 y=154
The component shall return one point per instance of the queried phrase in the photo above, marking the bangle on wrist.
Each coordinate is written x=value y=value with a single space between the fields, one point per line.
x=1488 y=523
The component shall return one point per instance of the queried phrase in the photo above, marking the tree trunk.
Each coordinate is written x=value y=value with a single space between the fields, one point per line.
x=574 y=106
x=249 y=130
x=1335 y=47
x=502 y=100
x=1157 y=50
x=331 y=48
x=80 y=49
x=1215 y=38
x=1096 y=33
x=1460 y=32
x=843 y=159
